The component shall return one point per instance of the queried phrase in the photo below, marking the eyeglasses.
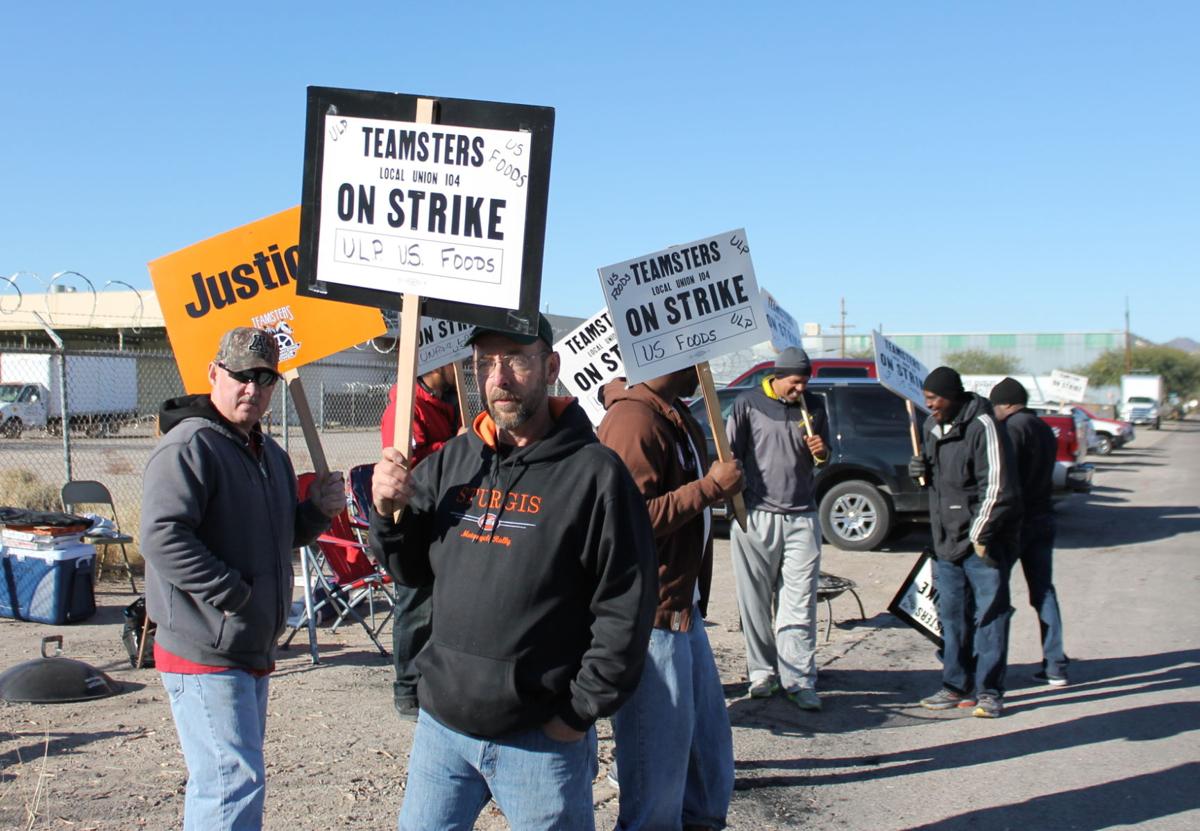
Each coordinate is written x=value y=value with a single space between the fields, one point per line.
x=520 y=363
x=259 y=375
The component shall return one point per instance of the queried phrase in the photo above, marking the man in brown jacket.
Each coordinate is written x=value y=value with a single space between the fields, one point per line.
x=674 y=746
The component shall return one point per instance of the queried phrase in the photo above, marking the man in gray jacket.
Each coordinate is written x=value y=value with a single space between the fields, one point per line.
x=780 y=435
x=220 y=517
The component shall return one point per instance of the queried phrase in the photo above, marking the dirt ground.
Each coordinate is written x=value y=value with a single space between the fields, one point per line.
x=336 y=751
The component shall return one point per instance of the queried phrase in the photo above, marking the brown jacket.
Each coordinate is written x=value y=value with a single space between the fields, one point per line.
x=650 y=436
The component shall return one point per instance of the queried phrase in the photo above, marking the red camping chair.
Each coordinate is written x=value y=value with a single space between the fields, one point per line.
x=341 y=567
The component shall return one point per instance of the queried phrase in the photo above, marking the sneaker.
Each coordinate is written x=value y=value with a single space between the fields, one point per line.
x=764 y=688
x=805 y=699
x=1043 y=677
x=989 y=707
x=947 y=699
x=407 y=708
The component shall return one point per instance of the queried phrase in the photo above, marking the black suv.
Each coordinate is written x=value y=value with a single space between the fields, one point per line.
x=864 y=489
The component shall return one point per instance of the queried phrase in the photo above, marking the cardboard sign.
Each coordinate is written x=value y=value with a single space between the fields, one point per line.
x=452 y=209
x=1066 y=387
x=916 y=601
x=590 y=357
x=442 y=342
x=247 y=277
x=686 y=304
x=899 y=371
x=785 y=331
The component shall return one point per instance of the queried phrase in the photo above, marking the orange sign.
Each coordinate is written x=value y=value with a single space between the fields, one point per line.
x=247 y=277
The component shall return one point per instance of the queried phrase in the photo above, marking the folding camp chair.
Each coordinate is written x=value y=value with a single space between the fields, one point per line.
x=81 y=492
x=359 y=484
x=339 y=565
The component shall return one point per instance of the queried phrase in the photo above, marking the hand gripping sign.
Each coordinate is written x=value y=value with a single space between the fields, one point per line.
x=247 y=277
x=434 y=206
x=680 y=307
x=904 y=375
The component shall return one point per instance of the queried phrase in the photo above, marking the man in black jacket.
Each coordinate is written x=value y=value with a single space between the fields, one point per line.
x=1034 y=447
x=541 y=556
x=973 y=512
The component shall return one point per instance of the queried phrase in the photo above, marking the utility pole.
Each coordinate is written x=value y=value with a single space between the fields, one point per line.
x=842 y=327
x=1128 y=340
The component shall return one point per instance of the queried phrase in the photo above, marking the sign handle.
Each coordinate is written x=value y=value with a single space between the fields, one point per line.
x=712 y=406
x=460 y=387
x=912 y=432
x=309 y=427
x=808 y=430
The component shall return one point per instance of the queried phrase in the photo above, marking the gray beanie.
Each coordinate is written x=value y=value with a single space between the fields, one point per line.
x=793 y=361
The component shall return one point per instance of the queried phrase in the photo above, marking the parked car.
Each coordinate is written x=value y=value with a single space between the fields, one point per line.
x=1071 y=473
x=822 y=368
x=1111 y=433
x=864 y=490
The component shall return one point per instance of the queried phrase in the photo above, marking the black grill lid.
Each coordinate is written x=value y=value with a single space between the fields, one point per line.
x=54 y=680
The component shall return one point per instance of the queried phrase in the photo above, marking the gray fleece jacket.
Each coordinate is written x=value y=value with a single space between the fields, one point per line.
x=217 y=532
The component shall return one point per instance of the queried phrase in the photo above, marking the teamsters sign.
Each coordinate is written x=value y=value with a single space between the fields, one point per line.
x=687 y=304
x=450 y=210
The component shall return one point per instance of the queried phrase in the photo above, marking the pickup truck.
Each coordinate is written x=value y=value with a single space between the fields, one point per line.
x=1111 y=433
x=821 y=368
x=1071 y=473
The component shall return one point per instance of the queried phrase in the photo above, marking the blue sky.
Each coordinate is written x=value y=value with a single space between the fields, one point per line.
x=1014 y=166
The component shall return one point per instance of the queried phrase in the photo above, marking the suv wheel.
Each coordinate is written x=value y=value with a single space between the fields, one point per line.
x=12 y=428
x=856 y=516
x=1104 y=444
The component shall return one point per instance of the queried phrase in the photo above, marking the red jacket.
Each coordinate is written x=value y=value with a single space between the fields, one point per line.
x=435 y=422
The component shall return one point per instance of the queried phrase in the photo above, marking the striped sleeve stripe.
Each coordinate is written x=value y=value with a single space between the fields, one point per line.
x=991 y=492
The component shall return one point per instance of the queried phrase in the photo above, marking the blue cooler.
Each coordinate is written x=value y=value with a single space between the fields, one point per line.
x=48 y=585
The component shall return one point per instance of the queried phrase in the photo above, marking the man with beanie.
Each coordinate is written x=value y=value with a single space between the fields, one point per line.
x=220 y=517
x=780 y=434
x=674 y=745
x=541 y=557
x=974 y=509
x=1034 y=448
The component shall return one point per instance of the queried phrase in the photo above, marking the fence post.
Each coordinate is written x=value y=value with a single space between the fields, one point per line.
x=66 y=413
x=321 y=405
x=286 y=427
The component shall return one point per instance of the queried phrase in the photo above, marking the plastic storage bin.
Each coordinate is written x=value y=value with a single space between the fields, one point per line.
x=48 y=585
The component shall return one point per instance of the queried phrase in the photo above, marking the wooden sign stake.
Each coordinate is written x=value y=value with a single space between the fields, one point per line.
x=712 y=406
x=307 y=426
x=460 y=386
x=912 y=432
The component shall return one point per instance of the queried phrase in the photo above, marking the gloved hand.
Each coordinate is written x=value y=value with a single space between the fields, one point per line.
x=918 y=469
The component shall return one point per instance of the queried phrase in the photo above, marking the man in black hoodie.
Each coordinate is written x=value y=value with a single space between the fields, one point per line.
x=220 y=517
x=1035 y=447
x=973 y=511
x=539 y=549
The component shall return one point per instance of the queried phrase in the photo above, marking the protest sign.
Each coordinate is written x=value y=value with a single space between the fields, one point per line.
x=899 y=371
x=1066 y=387
x=686 y=304
x=590 y=357
x=247 y=277
x=916 y=601
x=442 y=342
x=449 y=206
x=785 y=331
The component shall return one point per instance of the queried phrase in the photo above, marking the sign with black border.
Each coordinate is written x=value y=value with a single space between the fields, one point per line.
x=453 y=210
x=916 y=601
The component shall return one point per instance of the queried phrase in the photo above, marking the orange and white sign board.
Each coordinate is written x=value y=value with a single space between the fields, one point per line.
x=247 y=277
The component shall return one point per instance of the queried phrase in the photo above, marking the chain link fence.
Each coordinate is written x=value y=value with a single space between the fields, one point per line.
x=101 y=423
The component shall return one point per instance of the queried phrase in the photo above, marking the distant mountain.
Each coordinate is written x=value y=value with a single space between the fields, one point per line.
x=1186 y=344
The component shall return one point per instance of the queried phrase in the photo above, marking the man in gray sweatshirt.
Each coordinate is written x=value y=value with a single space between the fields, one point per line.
x=220 y=517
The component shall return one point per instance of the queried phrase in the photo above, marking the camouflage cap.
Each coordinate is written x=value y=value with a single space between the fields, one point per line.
x=245 y=348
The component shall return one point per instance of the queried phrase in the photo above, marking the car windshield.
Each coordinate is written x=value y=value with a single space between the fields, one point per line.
x=1141 y=399
x=9 y=393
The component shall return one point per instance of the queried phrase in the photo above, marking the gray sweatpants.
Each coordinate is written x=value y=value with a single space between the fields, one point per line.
x=777 y=561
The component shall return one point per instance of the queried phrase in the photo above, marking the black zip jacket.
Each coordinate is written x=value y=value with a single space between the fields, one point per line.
x=543 y=570
x=1035 y=449
x=973 y=493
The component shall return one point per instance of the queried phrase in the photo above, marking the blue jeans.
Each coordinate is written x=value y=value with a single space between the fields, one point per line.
x=538 y=783
x=973 y=606
x=674 y=746
x=411 y=625
x=1037 y=561
x=221 y=719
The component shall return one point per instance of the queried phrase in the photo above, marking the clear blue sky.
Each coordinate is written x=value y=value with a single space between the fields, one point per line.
x=944 y=166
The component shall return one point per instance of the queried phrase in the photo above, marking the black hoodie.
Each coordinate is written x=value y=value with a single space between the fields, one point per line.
x=543 y=570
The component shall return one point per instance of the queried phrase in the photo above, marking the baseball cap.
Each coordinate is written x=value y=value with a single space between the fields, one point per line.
x=246 y=348
x=545 y=333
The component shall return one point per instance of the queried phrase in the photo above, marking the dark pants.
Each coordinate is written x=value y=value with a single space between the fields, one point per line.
x=974 y=609
x=410 y=632
x=1037 y=561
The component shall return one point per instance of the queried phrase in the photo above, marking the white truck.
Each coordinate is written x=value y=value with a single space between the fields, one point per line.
x=1141 y=399
x=102 y=393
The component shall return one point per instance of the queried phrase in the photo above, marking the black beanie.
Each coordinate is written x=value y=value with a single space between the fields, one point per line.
x=945 y=382
x=1009 y=391
x=793 y=361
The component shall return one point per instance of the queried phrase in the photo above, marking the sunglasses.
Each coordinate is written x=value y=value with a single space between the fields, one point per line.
x=260 y=376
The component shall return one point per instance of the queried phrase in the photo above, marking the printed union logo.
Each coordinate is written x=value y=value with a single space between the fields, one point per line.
x=288 y=345
x=487 y=522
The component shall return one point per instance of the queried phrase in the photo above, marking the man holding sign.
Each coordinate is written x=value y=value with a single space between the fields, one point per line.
x=674 y=745
x=220 y=517
x=541 y=557
x=781 y=436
